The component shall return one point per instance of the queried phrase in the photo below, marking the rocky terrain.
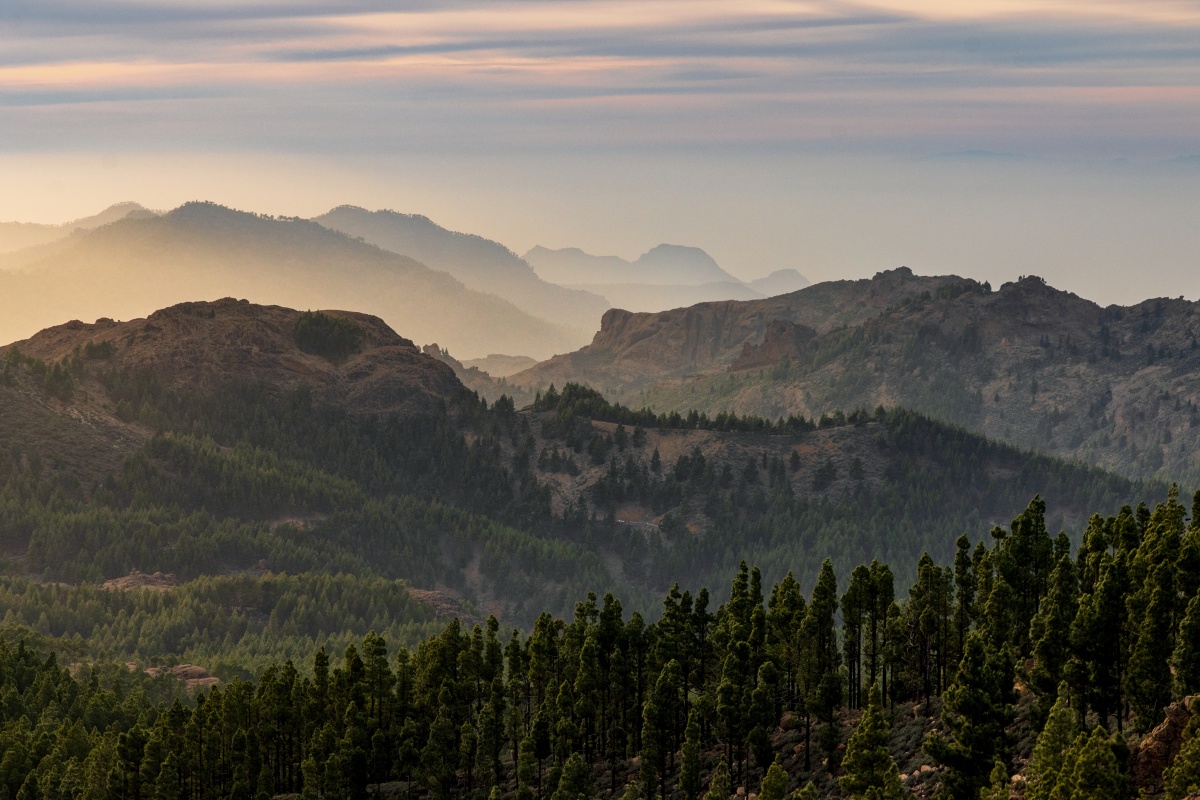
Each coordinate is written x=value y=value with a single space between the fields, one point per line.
x=1026 y=364
x=77 y=428
x=632 y=352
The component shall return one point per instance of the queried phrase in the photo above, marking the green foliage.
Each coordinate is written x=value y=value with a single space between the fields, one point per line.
x=870 y=771
x=334 y=338
x=1050 y=751
x=977 y=707
x=774 y=785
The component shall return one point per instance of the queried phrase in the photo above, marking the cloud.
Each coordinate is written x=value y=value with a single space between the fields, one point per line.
x=905 y=76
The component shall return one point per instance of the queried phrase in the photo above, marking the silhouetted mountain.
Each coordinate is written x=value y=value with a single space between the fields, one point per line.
x=781 y=281
x=17 y=235
x=479 y=263
x=204 y=251
x=500 y=366
x=664 y=265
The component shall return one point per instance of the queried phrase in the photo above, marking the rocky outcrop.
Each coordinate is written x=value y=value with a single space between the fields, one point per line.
x=783 y=341
x=1155 y=753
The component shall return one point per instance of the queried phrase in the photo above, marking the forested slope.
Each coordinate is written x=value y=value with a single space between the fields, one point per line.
x=1023 y=667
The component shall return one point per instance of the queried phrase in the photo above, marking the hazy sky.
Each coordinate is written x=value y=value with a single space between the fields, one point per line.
x=991 y=138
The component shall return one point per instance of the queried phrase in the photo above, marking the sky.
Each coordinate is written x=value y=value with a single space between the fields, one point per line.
x=989 y=138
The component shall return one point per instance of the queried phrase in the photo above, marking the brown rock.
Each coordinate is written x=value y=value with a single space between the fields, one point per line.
x=1158 y=749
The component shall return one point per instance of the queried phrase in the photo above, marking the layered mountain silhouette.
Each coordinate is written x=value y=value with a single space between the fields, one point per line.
x=18 y=235
x=133 y=266
x=667 y=276
x=478 y=262
x=1026 y=364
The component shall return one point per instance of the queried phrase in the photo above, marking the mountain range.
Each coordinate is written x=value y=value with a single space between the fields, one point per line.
x=667 y=276
x=479 y=263
x=19 y=235
x=134 y=266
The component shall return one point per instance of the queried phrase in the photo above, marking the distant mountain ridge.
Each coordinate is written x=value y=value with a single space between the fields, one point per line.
x=204 y=251
x=665 y=264
x=18 y=235
x=667 y=276
x=479 y=263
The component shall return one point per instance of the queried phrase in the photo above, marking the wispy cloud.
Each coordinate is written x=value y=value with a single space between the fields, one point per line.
x=905 y=75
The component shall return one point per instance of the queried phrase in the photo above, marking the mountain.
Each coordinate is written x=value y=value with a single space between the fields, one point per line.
x=18 y=235
x=203 y=251
x=1026 y=364
x=351 y=360
x=634 y=351
x=479 y=263
x=500 y=366
x=242 y=418
x=664 y=265
x=781 y=281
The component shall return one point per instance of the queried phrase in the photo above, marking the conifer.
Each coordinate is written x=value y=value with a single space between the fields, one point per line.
x=870 y=771
x=1051 y=748
x=719 y=786
x=774 y=785
x=976 y=712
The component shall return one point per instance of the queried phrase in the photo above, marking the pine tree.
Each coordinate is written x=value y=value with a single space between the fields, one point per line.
x=809 y=792
x=1050 y=750
x=998 y=783
x=774 y=785
x=1148 y=677
x=1186 y=658
x=1096 y=774
x=1050 y=630
x=870 y=771
x=977 y=709
x=719 y=787
x=576 y=780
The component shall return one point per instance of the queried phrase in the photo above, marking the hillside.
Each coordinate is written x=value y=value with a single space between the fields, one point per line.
x=224 y=490
x=18 y=235
x=203 y=347
x=221 y=408
x=1027 y=364
x=479 y=263
x=203 y=251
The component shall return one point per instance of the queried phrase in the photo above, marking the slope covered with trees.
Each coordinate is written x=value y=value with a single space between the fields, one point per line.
x=1024 y=665
x=1025 y=364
